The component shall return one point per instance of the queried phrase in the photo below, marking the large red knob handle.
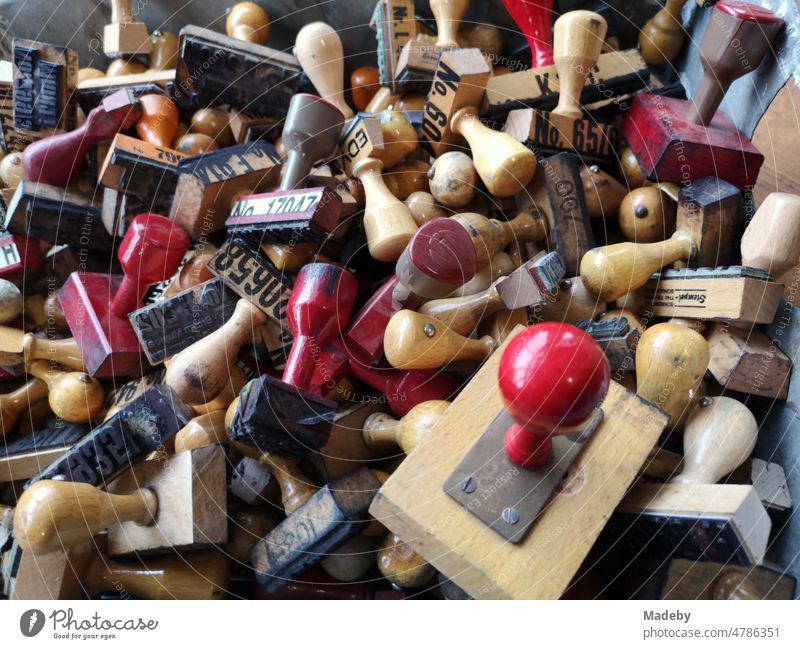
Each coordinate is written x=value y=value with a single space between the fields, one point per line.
x=57 y=159
x=552 y=376
x=150 y=252
x=320 y=306
x=535 y=20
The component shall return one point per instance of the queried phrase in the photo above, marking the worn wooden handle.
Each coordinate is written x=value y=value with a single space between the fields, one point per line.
x=53 y=514
x=448 y=15
x=462 y=314
x=248 y=22
x=320 y=52
x=771 y=241
x=200 y=372
x=413 y=341
x=577 y=41
x=719 y=435
x=380 y=429
x=65 y=351
x=74 y=396
x=296 y=489
x=387 y=221
x=13 y=404
x=612 y=271
x=505 y=165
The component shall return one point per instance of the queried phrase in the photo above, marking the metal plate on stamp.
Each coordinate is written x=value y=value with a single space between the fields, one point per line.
x=505 y=496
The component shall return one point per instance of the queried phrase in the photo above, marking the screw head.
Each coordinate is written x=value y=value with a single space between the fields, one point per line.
x=468 y=485
x=705 y=402
x=429 y=330
x=510 y=515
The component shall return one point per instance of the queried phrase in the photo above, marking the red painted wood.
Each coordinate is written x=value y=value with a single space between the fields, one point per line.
x=320 y=306
x=535 y=21
x=751 y=12
x=552 y=376
x=670 y=148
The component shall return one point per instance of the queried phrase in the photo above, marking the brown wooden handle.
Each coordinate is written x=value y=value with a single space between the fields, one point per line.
x=198 y=575
x=200 y=372
x=53 y=514
x=296 y=489
x=448 y=15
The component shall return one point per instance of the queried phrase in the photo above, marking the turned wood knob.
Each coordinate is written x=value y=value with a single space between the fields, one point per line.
x=248 y=22
x=401 y=566
x=320 y=52
x=505 y=165
x=203 y=430
x=53 y=515
x=612 y=271
x=64 y=351
x=733 y=585
x=719 y=435
x=413 y=341
x=387 y=221
x=671 y=361
x=380 y=429
x=159 y=121
x=200 y=372
x=74 y=396
x=295 y=487
x=577 y=43
x=647 y=215
x=552 y=377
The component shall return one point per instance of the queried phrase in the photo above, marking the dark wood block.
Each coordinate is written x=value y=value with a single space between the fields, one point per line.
x=395 y=24
x=670 y=148
x=58 y=216
x=276 y=417
x=218 y=69
x=570 y=226
x=331 y=516
x=23 y=456
x=207 y=184
x=141 y=427
x=167 y=327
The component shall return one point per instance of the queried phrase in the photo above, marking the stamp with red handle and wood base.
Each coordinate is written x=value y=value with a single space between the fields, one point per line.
x=97 y=305
x=676 y=140
x=544 y=381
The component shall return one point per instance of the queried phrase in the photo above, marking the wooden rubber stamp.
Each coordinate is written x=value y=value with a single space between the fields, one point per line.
x=167 y=327
x=662 y=37
x=283 y=416
x=24 y=456
x=18 y=347
x=327 y=518
x=57 y=216
x=44 y=80
x=743 y=294
x=150 y=252
x=395 y=25
x=416 y=63
x=671 y=361
x=450 y=114
x=489 y=566
x=578 y=39
x=696 y=518
x=124 y=36
x=266 y=79
x=57 y=159
x=680 y=140
x=319 y=50
x=154 y=507
x=208 y=183
x=293 y=214
x=708 y=218
x=135 y=431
